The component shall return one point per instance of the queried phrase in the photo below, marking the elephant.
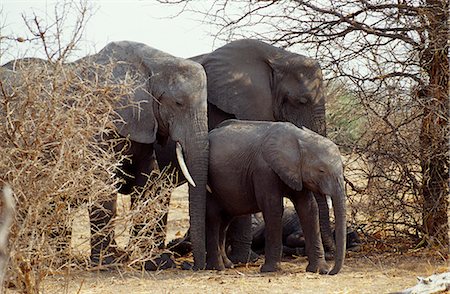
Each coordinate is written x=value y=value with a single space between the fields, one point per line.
x=172 y=97
x=252 y=165
x=293 y=237
x=250 y=80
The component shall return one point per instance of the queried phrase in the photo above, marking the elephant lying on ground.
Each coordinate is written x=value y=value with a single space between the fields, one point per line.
x=169 y=101
x=293 y=236
x=252 y=166
x=251 y=80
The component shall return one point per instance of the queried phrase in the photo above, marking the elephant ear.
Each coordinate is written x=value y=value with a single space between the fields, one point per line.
x=199 y=58
x=283 y=152
x=139 y=61
x=239 y=79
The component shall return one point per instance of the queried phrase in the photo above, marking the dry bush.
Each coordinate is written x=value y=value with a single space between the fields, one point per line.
x=379 y=133
x=50 y=158
x=150 y=210
x=59 y=153
x=6 y=220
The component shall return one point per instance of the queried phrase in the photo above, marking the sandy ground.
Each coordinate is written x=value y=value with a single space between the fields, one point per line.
x=362 y=273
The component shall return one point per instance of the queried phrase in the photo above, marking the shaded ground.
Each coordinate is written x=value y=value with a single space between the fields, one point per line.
x=362 y=273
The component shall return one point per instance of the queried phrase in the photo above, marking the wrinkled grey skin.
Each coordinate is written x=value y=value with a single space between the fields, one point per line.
x=252 y=166
x=171 y=93
x=252 y=80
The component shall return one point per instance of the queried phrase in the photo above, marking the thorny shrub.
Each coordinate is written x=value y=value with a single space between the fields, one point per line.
x=59 y=152
x=379 y=135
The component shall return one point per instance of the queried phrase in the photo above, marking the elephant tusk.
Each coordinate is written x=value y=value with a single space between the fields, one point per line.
x=208 y=188
x=183 y=166
x=329 y=202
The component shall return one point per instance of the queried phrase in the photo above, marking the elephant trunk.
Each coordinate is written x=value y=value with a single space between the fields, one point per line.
x=325 y=226
x=197 y=155
x=319 y=119
x=319 y=126
x=340 y=225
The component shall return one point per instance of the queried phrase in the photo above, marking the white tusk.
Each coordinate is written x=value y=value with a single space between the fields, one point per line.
x=208 y=188
x=329 y=202
x=183 y=166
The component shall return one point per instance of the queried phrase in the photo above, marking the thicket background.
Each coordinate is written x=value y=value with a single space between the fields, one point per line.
x=387 y=67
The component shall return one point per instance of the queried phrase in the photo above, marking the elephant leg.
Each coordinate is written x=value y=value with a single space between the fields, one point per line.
x=142 y=237
x=214 y=220
x=141 y=174
x=258 y=233
x=222 y=243
x=103 y=246
x=143 y=162
x=307 y=211
x=239 y=239
x=325 y=226
x=164 y=157
x=269 y=197
x=274 y=246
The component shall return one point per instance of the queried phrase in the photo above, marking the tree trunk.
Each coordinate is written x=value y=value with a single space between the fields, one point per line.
x=434 y=133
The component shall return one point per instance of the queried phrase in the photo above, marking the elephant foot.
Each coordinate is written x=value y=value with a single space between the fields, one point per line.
x=243 y=257
x=227 y=262
x=215 y=264
x=109 y=258
x=162 y=262
x=320 y=267
x=215 y=267
x=269 y=267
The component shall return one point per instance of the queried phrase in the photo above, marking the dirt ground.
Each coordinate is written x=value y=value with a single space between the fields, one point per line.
x=362 y=273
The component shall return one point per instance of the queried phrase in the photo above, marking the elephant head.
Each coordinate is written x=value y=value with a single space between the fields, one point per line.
x=169 y=100
x=304 y=159
x=253 y=80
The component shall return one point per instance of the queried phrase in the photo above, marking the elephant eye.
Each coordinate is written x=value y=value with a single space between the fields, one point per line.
x=178 y=103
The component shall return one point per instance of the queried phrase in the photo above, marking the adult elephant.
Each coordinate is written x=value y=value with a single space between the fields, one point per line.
x=170 y=95
x=251 y=80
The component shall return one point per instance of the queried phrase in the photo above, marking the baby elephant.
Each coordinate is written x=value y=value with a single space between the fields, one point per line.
x=253 y=164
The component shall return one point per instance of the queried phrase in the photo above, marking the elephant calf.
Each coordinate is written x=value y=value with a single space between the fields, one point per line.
x=252 y=166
